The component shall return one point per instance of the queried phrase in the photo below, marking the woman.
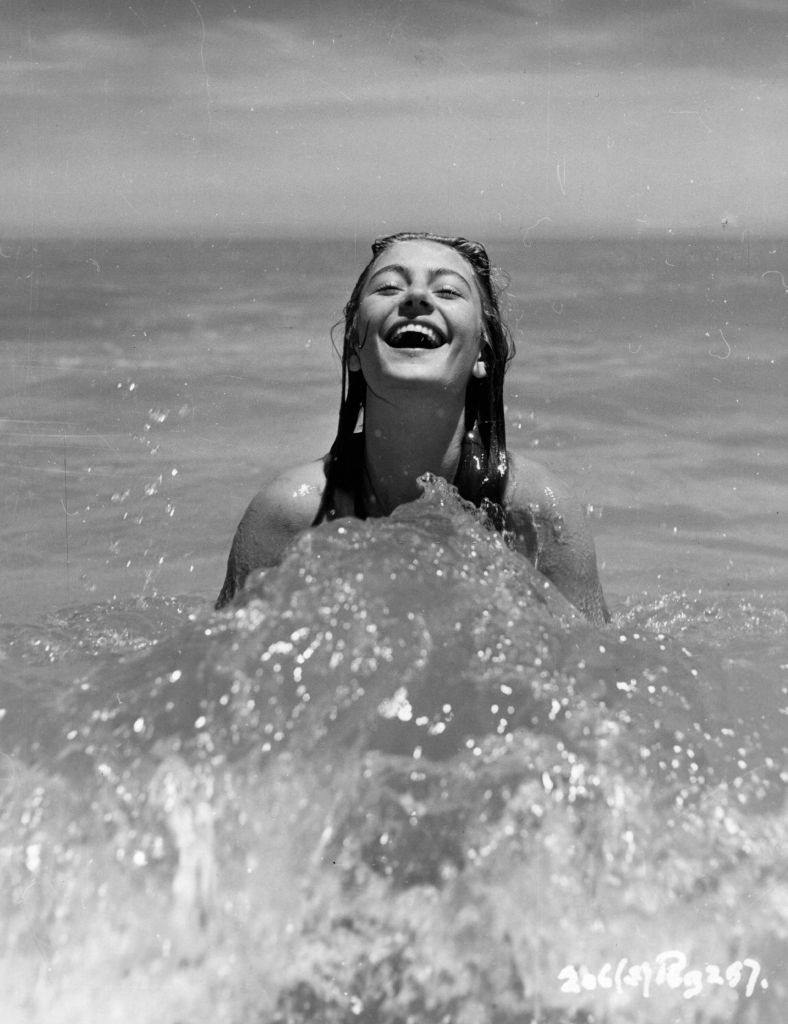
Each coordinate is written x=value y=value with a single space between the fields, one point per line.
x=423 y=362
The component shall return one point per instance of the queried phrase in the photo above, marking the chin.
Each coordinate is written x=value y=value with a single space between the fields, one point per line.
x=413 y=366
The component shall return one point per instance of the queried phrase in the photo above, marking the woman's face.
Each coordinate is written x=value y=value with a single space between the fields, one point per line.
x=420 y=319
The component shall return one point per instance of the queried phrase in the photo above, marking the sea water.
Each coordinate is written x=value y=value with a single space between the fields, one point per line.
x=401 y=780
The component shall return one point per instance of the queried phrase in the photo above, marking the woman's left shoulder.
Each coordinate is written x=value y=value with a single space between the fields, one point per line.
x=548 y=526
x=531 y=485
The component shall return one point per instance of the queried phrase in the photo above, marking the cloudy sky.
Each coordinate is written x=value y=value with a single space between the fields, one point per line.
x=354 y=116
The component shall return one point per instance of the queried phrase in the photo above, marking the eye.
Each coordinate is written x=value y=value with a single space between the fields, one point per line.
x=387 y=287
x=447 y=291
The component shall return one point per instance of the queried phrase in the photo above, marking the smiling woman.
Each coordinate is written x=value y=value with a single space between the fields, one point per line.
x=423 y=362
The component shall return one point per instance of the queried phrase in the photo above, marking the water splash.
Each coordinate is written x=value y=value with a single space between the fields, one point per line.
x=399 y=780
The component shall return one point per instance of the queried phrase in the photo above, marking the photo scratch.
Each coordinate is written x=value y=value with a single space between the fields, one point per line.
x=728 y=350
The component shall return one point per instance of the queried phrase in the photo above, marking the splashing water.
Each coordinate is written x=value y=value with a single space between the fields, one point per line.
x=402 y=781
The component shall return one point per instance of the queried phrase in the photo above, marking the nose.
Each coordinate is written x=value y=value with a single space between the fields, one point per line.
x=416 y=299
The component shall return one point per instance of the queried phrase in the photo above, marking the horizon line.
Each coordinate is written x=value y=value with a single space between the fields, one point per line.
x=282 y=234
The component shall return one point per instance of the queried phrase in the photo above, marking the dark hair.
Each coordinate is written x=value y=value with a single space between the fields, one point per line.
x=483 y=469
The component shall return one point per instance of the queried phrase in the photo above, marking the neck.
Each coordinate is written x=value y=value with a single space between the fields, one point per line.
x=404 y=441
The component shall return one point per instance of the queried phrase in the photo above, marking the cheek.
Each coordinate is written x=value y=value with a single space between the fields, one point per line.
x=365 y=322
x=369 y=356
x=473 y=334
x=473 y=321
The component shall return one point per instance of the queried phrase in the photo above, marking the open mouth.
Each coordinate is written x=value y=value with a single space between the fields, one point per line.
x=415 y=336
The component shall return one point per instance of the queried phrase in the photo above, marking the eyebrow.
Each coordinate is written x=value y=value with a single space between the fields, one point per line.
x=433 y=272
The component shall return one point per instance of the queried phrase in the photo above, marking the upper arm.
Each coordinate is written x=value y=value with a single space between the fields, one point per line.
x=548 y=527
x=274 y=517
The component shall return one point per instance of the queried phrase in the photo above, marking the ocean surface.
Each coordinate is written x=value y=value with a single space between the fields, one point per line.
x=397 y=784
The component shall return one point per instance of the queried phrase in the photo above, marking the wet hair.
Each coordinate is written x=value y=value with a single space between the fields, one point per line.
x=481 y=476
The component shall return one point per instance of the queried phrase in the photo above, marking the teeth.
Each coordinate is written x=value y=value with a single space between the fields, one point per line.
x=427 y=332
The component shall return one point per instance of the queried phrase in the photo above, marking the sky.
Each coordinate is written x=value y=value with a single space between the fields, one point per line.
x=506 y=118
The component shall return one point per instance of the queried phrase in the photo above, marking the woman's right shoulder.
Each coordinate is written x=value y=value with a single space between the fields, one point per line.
x=275 y=516
x=292 y=498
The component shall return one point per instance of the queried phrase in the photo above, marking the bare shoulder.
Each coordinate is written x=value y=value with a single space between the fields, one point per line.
x=275 y=516
x=281 y=510
x=531 y=484
x=548 y=527
x=293 y=497
x=540 y=510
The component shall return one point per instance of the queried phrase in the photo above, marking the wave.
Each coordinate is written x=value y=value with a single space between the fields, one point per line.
x=400 y=780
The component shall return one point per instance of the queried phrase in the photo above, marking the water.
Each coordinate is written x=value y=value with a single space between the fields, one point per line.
x=400 y=783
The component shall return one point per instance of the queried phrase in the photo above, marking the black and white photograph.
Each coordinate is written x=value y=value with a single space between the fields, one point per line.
x=393 y=563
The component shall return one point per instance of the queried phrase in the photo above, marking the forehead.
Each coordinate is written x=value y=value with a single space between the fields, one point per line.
x=420 y=254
